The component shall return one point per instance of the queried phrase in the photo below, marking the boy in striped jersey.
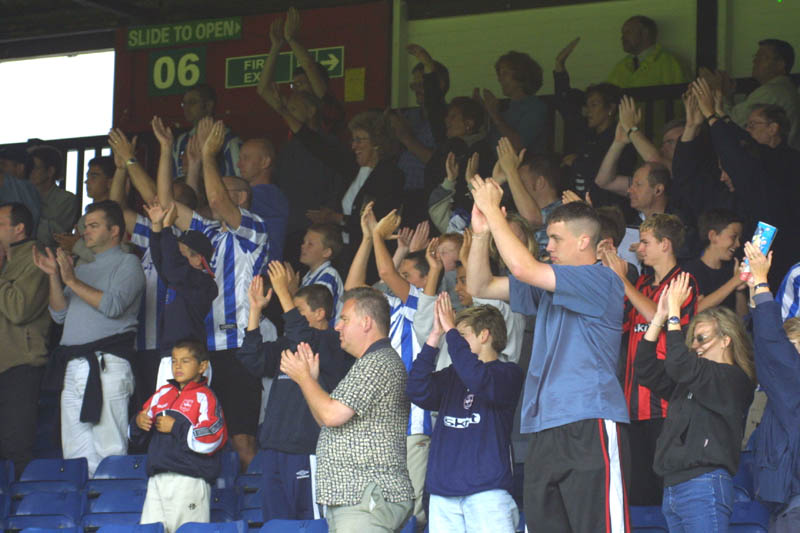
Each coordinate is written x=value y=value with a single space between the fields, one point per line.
x=321 y=244
x=660 y=235
x=406 y=283
x=241 y=246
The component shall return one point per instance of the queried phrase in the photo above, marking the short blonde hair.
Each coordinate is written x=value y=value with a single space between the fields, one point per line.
x=664 y=226
x=481 y=317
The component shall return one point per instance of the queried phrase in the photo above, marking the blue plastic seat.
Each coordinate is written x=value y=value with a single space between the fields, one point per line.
x=53 y=475
x=253 y=517
x=230 y=470
x=118 y=501
x=56 y=521
x=5 y=506
x=648 y=519
x=251 y=481
x=239 y=526
x=119 y=472
x=224 y=505
x=6 y=476
x=94 y=521
x=68 y=504
x=122 y=467
x=158 y=527
x=302 y=526
x=50 y=530
x=749 y=517
x=250 y=499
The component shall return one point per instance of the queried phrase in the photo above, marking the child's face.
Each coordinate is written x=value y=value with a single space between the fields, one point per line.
x=186 y=367
x=195 y=259
x=305 y=310
x=469 y=336
x=312 y=251
x=448 y=252
x=727 y=241
x=408 y=269
x=461 y=287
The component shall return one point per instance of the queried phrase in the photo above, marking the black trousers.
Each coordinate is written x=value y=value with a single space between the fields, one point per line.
x=19 y=402
x=576 y=478
x=647 y=487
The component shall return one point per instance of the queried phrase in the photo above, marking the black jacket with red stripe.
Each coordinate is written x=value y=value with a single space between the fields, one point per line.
x=642 y=403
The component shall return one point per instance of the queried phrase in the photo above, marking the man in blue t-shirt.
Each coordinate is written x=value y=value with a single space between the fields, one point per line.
x=572 y=402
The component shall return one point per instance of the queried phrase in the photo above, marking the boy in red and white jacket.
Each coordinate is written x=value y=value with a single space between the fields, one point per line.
x=186 y=427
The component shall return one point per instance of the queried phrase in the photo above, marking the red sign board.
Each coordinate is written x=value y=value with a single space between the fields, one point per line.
x=150 y=77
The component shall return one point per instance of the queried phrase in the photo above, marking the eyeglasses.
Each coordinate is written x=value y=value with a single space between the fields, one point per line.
x=753 y=123
x=190 y=102
x=702 y=339
x=360 y=139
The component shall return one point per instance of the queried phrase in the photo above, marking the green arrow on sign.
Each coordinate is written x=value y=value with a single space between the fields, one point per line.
x=330 y=63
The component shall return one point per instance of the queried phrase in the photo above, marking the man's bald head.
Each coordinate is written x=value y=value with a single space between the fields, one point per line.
x=256 y=157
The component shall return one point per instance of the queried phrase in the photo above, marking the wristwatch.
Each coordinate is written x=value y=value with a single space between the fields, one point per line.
x=131 y=161
x=634 y=128
x=674 y=320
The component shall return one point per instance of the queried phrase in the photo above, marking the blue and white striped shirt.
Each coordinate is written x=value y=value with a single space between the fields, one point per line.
x=328 y=276
x=789 y=293
x=239 y=254
x=405 y=342
x=227 y=158
x=155 y=291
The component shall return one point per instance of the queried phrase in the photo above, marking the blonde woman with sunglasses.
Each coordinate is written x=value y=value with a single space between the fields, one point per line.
x=708 y=377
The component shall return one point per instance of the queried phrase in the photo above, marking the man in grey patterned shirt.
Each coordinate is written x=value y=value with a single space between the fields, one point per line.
x=361 y=452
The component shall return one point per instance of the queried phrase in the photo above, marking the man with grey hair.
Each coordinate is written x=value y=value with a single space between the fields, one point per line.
x=361 y=452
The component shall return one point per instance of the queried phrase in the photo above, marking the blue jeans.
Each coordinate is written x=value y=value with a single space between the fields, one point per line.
x=490 y=511
x=703 y=504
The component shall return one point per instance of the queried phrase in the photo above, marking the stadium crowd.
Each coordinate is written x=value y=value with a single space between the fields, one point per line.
x=443 y=320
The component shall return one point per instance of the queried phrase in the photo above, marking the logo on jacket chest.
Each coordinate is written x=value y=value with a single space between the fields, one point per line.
x=468 y=399
x=186 y=405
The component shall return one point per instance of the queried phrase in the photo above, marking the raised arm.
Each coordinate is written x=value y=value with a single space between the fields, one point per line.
x=117 y=193
x=267 y=76
x=311 y=68
x=480 y=280
x=164 y=175
x=386 y=270
x=509 y=162
x=357 y=275
x=630 y=118
x=125 y=151
x=515 y=254
x=607 y=177
x=218 y=198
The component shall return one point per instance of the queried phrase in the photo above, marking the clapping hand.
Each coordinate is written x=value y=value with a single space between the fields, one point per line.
x=679 y=291
x=444 y=308
x=255 y=294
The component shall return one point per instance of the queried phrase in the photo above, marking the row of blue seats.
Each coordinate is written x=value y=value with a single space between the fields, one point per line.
x=238 y=496
x=114 y=472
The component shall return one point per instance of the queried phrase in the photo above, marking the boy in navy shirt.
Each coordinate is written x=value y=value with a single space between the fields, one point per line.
x=182 y=264
x=186 y=427
x=469 y=466
x=289 y=434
